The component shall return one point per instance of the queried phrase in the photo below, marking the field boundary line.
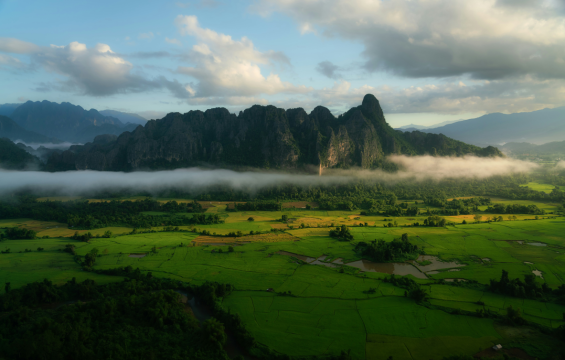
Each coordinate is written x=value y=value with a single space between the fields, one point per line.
x=408 y=350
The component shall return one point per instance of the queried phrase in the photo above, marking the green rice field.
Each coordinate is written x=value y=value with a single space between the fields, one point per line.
x=325 y=310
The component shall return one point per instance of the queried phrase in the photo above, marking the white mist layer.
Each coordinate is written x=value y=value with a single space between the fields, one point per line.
x=59 y=146
x=417 y=168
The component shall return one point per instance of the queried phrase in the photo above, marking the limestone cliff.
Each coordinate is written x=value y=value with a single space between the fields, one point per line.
x=261 y=136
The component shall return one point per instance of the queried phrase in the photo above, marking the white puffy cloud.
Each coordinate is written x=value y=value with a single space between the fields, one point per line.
x=96 y=71
x=484 y=39
x=224 y=67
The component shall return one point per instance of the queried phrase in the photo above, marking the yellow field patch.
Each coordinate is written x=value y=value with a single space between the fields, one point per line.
x=238 y=217
x=56 y=229
x=204 y=239
x=35 y=225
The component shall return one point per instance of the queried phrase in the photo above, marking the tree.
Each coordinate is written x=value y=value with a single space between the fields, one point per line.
x=8 y=287
x=308 y=207
x=90 y=258
x=214 y=332
x=342 y=233
x=250 y=219
x=284 y=218
x=418 y=294
x=230 y=249
x=107 y=234
x=478 y=218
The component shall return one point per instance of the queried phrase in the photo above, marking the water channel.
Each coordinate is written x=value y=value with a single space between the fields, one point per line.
x=403 y=268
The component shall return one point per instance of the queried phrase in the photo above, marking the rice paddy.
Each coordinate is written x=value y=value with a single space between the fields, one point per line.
x=326 y=310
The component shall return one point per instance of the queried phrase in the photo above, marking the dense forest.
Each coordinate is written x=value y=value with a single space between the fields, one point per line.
x=83 y=214
x=371 y=198
x=142 y=317
x=14 y=158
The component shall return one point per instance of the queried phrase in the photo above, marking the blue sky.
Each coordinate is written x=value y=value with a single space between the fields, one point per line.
x=427 y=61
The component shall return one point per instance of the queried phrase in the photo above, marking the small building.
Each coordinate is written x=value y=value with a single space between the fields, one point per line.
x=497 y=347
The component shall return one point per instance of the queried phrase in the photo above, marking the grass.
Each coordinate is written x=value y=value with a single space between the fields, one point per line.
x=329 y=311
x=547 y=188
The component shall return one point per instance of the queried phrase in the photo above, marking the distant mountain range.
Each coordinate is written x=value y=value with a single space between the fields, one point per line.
x=413 y=127
x=555 y=147
x=7 y=109
x=537 y=127
x=53 y=122
x=9 y=129
x=125 y=117
x=262 y=137
x=66 y=121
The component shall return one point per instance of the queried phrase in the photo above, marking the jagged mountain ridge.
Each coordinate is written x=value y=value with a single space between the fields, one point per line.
x=262 y=137
x=66 y=121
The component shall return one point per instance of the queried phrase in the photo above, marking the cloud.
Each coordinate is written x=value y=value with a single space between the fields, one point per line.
x=417 y=168
x=148 y=54
x=482 y=39
x=173 y=41
x=146 y=36
x=96 y=71
x=199 y=4
x=16 y=46
x=328 y=69
x=10 y=62
x=225 y=67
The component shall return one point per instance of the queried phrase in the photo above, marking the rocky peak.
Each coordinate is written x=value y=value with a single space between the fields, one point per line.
x=372 y=109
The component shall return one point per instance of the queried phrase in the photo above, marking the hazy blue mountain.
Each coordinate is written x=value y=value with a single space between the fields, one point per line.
x=8 y=109
x=9 y=129
x=125 y=117
x=414 y=127
x=555 y=147
x=66 y=121
x=537 y=127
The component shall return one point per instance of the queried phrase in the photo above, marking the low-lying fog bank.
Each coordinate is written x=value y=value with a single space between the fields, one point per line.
x=417 y=168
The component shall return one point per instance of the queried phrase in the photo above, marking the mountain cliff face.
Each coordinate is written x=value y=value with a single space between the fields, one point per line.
x=263 y=137
x=66 y=121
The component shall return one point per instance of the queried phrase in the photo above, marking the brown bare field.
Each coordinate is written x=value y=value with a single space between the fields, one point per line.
x=205 y=239
x=300 y=204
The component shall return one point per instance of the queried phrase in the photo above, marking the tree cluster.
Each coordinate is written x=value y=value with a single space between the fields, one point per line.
x=383 y=251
